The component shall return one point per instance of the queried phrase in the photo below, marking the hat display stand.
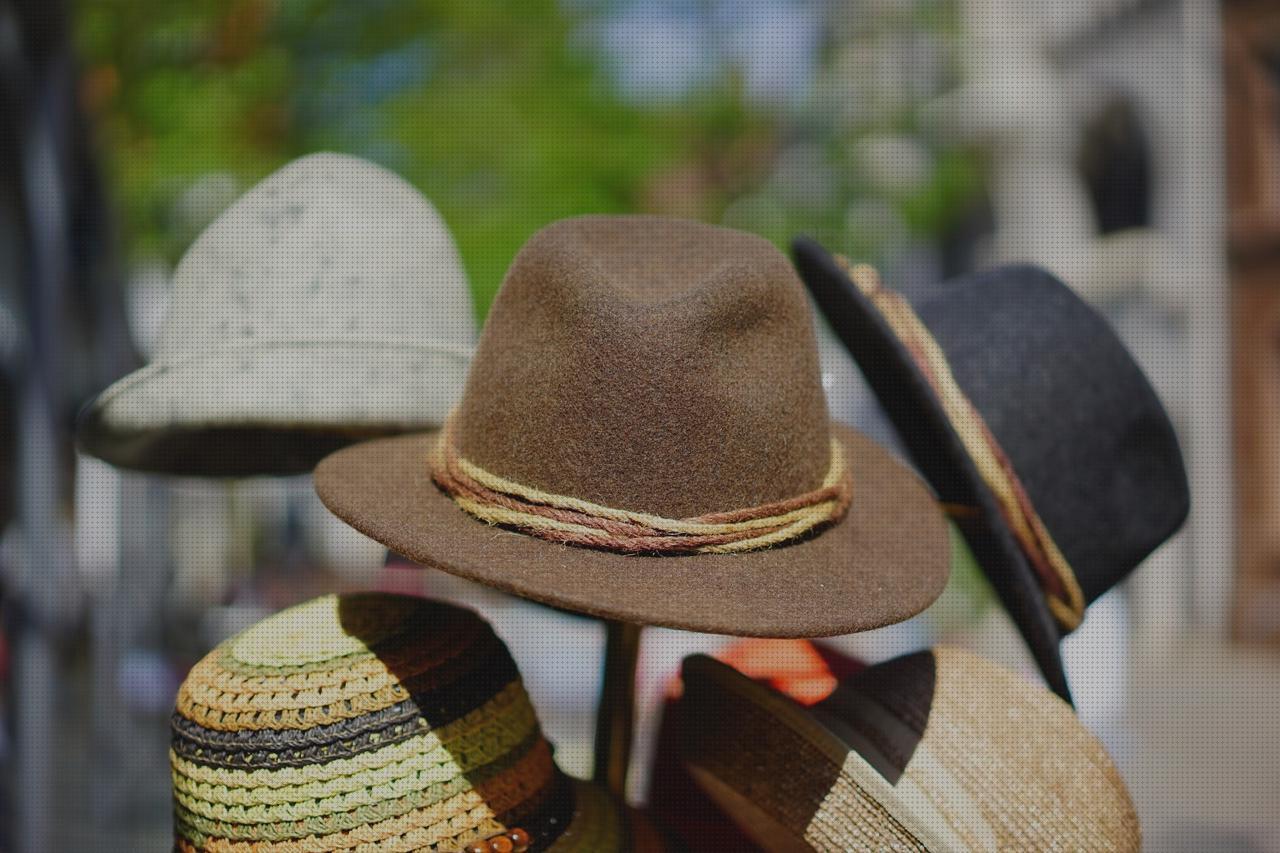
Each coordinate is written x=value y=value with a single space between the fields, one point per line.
x=615 y=716
x=644 y=439
x=640 y=436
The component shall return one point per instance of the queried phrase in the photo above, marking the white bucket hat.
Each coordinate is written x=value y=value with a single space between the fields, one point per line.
x=304 y=318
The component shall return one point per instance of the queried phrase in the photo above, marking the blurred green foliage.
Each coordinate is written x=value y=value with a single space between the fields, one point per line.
x=484 y=106
x=500 y=112
x=507 y=119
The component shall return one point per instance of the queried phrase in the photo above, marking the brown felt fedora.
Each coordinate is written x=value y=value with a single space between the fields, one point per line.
x=644 y=437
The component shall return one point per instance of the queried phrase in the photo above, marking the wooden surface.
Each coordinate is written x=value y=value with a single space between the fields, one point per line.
x=1251 y=76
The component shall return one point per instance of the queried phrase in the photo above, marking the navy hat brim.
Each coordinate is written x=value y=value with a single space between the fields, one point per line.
x=909 y=401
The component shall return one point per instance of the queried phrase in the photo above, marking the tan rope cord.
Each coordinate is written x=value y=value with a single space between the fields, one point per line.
x=574 y=521
x=1057 y=579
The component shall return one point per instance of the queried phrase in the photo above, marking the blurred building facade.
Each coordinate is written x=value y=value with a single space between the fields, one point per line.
x=1251 y=58
x=1134 y=151
x=1101 y=123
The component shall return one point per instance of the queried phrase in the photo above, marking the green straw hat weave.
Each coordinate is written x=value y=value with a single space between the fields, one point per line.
x=373 y=722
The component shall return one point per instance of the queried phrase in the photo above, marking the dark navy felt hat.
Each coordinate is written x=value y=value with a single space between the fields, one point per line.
x=1077 y=419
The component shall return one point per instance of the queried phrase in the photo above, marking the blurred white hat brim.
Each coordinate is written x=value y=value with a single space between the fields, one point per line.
x=327 y=304
x=270 y=408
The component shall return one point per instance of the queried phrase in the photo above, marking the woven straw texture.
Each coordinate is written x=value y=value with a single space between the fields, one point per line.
x=987 y=762
x=370 y=722
x=1005 y=765
x=782 y=785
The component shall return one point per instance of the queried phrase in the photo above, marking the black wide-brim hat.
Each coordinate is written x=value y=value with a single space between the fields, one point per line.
x=1074 y=414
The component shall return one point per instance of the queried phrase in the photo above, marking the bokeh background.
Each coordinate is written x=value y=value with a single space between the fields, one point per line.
x=1132 y=146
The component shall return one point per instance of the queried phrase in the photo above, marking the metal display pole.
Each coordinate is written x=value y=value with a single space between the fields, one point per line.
x=47 y=577
x=48 y=178
x=615 y=720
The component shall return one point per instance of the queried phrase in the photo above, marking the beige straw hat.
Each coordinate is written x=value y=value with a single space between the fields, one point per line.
x=376 y=722
x=938 y=751
x=327 y=304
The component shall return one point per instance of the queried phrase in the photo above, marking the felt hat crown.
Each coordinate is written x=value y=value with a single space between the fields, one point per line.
x=374 y=721
x=327 y=304
x=643 y=387
x=1085 y=437
x=939 y=751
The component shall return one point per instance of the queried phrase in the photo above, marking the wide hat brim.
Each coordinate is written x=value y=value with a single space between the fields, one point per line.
x=600 y=823
x=911 y=404
x=780 y=810
x=269 y=409
x=886 y=561
x=954 y=766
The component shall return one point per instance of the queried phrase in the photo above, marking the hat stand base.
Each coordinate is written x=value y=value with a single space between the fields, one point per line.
x=616 y=715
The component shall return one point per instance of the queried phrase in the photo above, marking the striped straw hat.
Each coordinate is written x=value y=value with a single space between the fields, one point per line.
x=375 y=722
x=938 y=751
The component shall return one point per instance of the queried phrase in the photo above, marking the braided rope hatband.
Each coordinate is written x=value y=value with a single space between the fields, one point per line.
x=1057 y=579
x=573 y=521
